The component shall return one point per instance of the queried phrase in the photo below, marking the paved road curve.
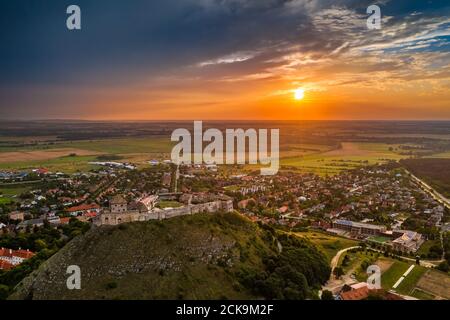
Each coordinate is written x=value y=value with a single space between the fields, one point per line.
x=335 y=260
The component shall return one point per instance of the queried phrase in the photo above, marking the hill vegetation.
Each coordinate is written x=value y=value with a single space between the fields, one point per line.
x=204 y=256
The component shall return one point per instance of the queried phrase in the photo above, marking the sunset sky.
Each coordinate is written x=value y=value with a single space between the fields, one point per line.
x=224 y=59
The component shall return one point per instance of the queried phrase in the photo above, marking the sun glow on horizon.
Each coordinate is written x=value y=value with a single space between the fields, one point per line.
x=299 y=94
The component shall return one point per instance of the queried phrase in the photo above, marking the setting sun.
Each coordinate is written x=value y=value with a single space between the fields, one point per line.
x=299 y=94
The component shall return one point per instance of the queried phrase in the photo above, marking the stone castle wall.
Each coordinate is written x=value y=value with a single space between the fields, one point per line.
x=108 y=218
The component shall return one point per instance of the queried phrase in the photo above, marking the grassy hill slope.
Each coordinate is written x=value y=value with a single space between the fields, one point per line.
x=204 y=256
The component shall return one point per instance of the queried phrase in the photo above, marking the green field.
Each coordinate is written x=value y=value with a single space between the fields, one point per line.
x=350 y=156
x=5 y=200
x=9 y=192
x=409 y=283
x=391 y=276
x=392 y=270
x=115 y=146
x=137 y=150
x=421 y=295
x=319 y=159
x=379 y=239
x=63 y=164
x=326 y=243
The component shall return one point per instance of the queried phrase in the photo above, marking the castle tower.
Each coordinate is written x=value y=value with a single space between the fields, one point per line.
x=118 y=204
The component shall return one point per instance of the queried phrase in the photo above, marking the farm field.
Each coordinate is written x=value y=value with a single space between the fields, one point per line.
x=63 y=164
x=435 y=283
x=350 y=156
x=42 y=155
x=442 y=155
x=74 y=156
x=117 y=146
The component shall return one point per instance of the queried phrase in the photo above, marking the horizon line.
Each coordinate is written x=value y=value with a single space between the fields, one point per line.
x=230 y=120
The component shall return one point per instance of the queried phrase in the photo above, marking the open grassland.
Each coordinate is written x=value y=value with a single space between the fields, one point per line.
x=396 y=271
x=391 y=276
x=350 y=156
x=409 y=283
x=64 y=164
x=328 y=244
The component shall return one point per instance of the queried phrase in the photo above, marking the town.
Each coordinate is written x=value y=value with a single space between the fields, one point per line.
x=381 y=206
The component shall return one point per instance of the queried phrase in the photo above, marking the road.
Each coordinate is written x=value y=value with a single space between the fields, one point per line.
x=438 y=197
x=423 y=263
x=426 y=187
x=335 y=260
x=334 y=285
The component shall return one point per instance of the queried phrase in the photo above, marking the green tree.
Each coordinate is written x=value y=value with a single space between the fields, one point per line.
x=327 y=295
x=338 y=272
x=4 y=292
x=40 y=244
x=443 y=266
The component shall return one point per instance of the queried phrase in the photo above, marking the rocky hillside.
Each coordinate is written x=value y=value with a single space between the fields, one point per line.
x=204 y=256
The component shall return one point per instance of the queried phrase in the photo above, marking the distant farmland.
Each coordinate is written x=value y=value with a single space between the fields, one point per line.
x=351 y=155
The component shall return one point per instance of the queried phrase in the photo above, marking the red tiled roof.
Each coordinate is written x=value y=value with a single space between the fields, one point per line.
x=5 y=265
x=357 y=294
x=25 y=254
x=64 y=220
x=90 y=214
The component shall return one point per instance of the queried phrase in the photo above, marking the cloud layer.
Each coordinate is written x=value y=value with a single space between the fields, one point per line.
x=224 y=59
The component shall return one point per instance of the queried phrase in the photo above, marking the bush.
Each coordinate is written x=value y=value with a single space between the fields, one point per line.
x=443 y=266
x=4 y=292
x=291 y=274
x=327 y=295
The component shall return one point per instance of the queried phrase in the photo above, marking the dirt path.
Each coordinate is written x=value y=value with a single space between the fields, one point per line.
x=335 y=260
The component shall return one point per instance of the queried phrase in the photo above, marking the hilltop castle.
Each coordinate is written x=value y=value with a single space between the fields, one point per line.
x=144 y=209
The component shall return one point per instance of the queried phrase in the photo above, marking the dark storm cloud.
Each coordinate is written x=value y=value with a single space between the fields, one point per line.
x=122 y=41
x=140 y=35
